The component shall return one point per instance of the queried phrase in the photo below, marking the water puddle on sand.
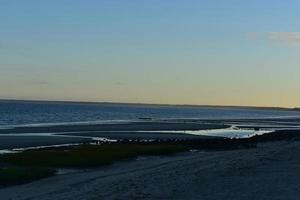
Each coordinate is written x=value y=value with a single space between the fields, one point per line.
x=228 y=133
x=6 y=151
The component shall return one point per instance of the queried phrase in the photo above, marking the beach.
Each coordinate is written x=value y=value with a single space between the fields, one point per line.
x=269 y=171
x=152 y=159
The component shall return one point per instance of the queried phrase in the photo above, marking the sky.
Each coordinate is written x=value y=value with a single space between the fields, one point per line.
x=204 y=52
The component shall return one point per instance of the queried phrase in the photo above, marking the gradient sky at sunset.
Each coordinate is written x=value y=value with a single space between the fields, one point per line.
x=225 y=52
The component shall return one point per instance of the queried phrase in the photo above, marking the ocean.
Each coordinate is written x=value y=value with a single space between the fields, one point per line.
x=15 y=113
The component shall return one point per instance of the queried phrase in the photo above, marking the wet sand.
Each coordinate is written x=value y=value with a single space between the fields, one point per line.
x=127 y=135
x=10 y=142
x=270 y=171
x=143 y=130
x=21 y=137
x=134 y=126
x=24 y=141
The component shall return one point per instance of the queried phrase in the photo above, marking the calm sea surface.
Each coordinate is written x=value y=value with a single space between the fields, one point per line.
x=23 y=113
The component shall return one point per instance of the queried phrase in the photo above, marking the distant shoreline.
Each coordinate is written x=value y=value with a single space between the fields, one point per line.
x=144 y=104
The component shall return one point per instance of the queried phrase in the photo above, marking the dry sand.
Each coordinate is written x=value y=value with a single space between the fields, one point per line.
x=270 y=171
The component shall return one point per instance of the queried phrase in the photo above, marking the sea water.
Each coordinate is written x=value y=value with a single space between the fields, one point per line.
x=14 y=113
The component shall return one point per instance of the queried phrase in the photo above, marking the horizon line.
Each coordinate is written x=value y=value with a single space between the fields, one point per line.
x=146 y=103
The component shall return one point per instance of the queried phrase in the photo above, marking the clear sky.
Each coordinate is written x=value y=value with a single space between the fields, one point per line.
x=225 y=52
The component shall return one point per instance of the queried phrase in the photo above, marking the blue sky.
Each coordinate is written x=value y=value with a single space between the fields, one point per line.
x=229 y=52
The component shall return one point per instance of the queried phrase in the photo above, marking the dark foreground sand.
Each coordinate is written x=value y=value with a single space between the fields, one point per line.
x=270 y=171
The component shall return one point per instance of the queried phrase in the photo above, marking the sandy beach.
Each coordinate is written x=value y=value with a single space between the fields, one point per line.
x=261 y=167
x=269 y=171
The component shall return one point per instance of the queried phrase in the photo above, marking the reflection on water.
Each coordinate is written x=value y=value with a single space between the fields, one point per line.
x=5 y=151
x=228 y=133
